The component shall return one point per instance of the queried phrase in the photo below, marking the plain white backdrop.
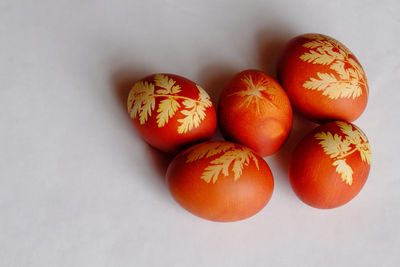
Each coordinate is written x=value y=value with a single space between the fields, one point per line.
x=78 y=187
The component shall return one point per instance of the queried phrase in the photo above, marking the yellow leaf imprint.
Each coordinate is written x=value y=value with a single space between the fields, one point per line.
x=345 y=171
x=338 y=148
x=230 y=157
x=258 y=92
x=329 y=52
x=142 y=102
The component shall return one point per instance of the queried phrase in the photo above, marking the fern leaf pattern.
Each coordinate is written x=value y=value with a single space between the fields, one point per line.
x=209 y=149
x=331 y=53
x=142 y=103
x=228 y=157
x=167 y=85
x=258 y=92
x=339 y=147
x=345 y=171
x=166 y=110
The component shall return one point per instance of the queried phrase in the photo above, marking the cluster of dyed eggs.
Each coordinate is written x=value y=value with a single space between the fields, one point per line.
x=230 y=180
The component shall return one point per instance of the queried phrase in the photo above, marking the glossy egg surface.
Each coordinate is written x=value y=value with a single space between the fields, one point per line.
x=220 y=181
x=171 y=112
x=323 y=79
x=255 y=111
x=330 y=165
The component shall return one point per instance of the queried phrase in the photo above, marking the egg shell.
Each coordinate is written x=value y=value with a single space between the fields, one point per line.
x=330 y=165
x=171 y=112
x=220 y=181
x=255 y=111
x=323 y=79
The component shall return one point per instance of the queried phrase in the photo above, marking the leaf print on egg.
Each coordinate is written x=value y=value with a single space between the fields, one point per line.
x=258 y=92
x=141 y=103
x=338 y=148
x=232 y=157
x=350 y=77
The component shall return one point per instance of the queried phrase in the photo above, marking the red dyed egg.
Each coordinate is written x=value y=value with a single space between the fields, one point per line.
x=220 y=181
x=323 y=79
x=330 y=165
x=255 y=111
x=171 y=112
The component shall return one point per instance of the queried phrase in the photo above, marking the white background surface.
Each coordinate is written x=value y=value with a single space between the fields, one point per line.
x=78 y=187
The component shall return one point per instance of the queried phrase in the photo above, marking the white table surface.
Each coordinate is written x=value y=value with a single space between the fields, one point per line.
x=78 y=187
